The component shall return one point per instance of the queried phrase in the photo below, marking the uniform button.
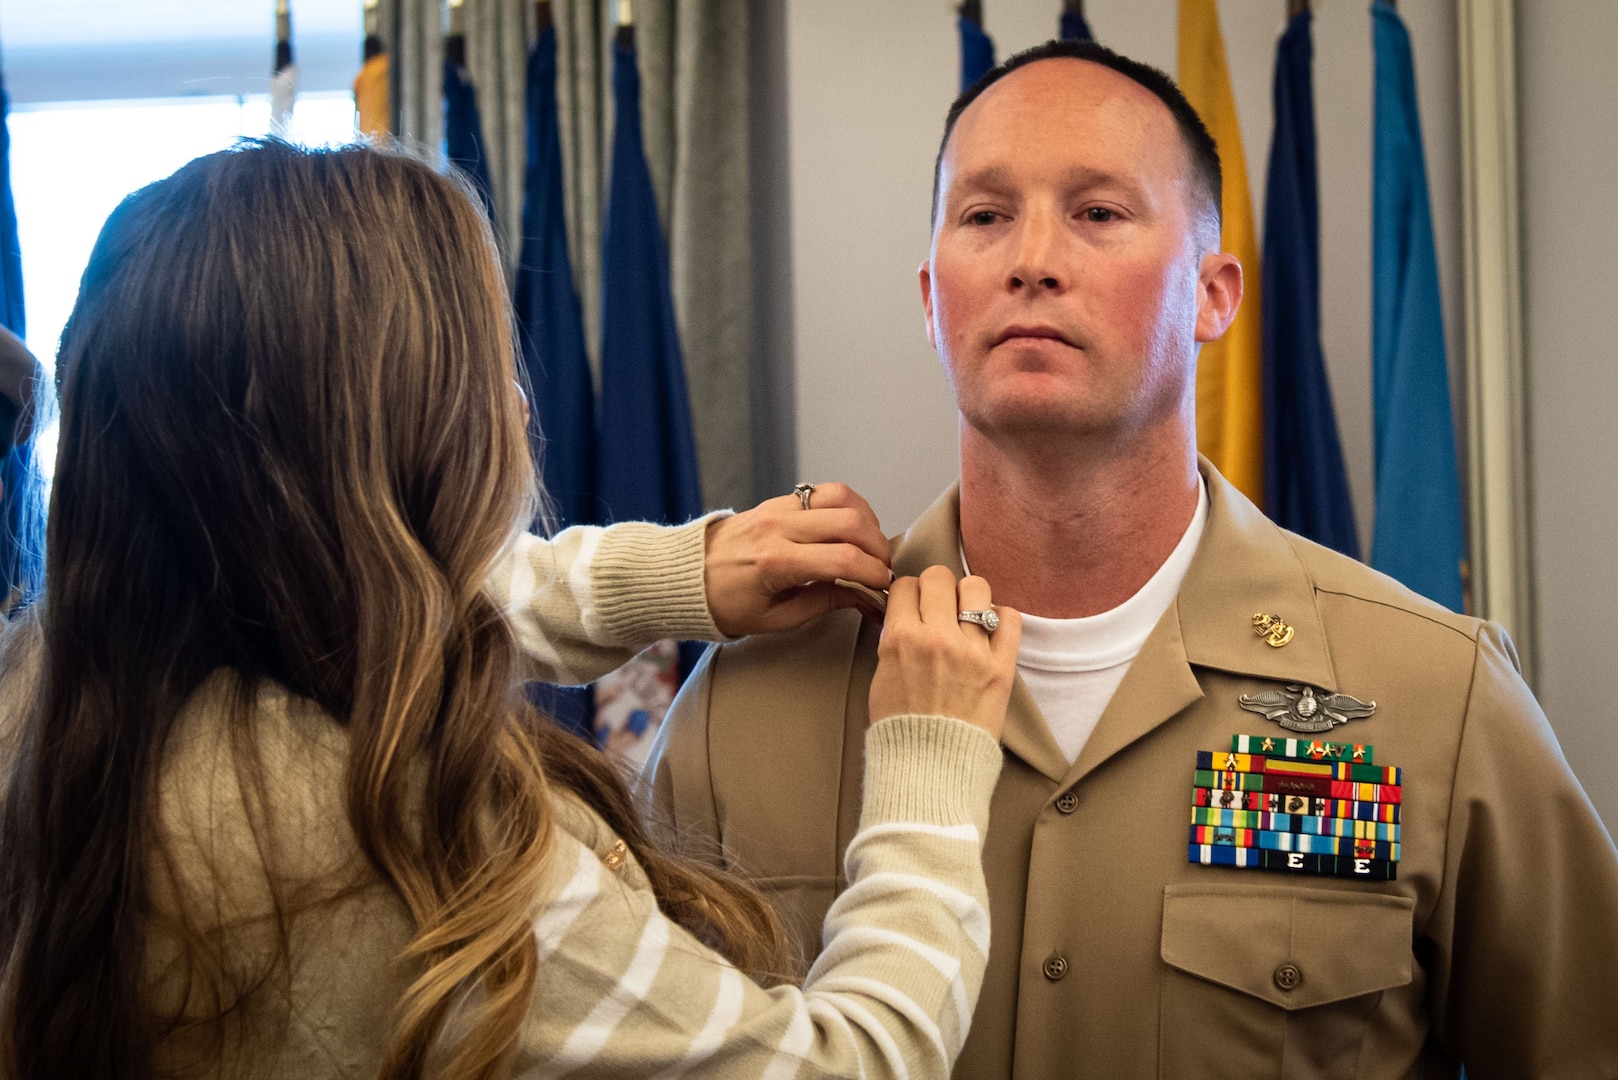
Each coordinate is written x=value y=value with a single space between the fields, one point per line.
x=1055 y=966
x=1067 y=802
x=1287 y=976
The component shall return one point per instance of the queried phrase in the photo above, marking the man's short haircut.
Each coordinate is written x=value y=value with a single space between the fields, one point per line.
x=1199 y=145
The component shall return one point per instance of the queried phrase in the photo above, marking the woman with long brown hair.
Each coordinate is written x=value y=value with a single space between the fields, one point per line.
x=273 y=803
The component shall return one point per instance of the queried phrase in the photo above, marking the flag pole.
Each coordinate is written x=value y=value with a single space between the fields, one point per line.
x=373 y=109
x=284 y=77
x=625 y=36
x=455 y=41
x=373 y=30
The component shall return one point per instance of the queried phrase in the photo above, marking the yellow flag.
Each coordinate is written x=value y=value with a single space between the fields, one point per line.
x=371 y=96
x=1230 y=380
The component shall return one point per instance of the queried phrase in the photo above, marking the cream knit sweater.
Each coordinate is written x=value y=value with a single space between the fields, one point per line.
x=621 y=991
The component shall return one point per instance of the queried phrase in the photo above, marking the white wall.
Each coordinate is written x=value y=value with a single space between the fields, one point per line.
x=868 y=88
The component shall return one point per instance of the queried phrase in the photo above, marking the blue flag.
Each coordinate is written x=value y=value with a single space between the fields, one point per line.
x=1073 y=27
x=22 y=488
x=977 y=51
x=548 y=316
x=648 y=462
x=551 y=331
x=1305 y=484
x=463 y=131
x=1418 y=536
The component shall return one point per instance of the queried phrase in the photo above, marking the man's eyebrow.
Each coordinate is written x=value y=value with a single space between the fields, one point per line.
x=999 y=178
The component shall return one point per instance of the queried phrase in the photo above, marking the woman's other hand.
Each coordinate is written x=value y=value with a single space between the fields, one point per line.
x=931 y=662
x=771 y=568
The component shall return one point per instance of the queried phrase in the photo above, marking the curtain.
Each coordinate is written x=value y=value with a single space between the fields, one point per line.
x=694 y=79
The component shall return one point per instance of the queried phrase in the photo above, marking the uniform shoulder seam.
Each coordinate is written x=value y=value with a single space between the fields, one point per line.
x=1470 y=633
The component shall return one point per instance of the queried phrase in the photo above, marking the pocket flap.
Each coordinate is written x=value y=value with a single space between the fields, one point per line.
x=1293 y=948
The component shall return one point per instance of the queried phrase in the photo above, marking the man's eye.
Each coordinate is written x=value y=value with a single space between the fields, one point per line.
x=982 y=217
x=1098 y=214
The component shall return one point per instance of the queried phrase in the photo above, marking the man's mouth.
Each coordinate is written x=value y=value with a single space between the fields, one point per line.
x=1032 y=330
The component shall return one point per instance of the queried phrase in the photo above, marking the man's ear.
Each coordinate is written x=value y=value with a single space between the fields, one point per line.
x=1219 y=294
x=925 y=275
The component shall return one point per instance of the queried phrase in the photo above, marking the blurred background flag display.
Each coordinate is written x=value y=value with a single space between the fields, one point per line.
x=1305 y=482
x=1417 y=536
x=548 y=312
x=22 y=509
x=977 y=48
x=372 y=112
x=284 y=83
x=648 y=460
x=463 y=127
x=1072 y=26
x=1229 y=371
x=551 y=333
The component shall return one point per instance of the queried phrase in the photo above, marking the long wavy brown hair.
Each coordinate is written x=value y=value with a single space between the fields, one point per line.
x=292 y=448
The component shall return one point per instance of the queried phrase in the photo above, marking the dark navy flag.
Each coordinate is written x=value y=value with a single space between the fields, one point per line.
x=463 y=128
x=551 y=333
x=648 y=462
x=22 y=499
x=1305 y=484
x=1418 y=535
x=977 y=50
x=548 y=317
x=1073 y=26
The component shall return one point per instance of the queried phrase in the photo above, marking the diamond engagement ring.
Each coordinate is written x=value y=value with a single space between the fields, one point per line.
x=803 y=492
x=989 y=620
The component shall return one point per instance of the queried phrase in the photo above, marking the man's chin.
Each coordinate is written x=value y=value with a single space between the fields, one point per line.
x=1041 y=421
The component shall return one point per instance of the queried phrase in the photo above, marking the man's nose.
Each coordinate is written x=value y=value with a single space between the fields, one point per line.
x=1040 y=258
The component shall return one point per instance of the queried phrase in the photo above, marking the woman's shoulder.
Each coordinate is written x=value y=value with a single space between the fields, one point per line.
x=578 y=829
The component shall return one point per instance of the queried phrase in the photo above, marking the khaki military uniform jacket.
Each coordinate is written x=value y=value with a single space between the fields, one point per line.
x=1111 y=954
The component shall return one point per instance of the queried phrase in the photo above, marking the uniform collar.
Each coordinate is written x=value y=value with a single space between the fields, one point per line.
x=935 y=539
x=1244 y=565
x=1247 y=565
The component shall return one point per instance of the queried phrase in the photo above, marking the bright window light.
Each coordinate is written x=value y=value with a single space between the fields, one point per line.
x=73 y=162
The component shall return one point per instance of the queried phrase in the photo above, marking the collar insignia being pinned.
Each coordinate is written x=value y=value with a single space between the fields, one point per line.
x=1304 y=708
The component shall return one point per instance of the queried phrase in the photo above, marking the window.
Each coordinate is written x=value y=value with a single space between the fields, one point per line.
x=72 y=162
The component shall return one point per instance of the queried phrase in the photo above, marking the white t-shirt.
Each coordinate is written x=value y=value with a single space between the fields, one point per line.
x=1072 y=666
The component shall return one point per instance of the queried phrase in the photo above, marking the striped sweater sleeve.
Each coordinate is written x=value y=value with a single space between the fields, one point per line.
x=622 y=991
x=585 y=601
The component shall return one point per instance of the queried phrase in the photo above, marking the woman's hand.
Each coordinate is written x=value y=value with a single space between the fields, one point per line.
x=931 y=662
x=772 y=567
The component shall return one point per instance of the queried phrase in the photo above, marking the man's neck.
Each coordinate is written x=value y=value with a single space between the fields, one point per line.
x=1068 y=534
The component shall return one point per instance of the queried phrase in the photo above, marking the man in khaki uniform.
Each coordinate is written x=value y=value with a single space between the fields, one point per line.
x=1074 y=270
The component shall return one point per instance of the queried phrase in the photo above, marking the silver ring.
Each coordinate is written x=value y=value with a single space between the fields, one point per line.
x=803 y=492
x=989 y=619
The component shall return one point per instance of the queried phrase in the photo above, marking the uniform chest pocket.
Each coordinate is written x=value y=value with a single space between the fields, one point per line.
x=1260 y=976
